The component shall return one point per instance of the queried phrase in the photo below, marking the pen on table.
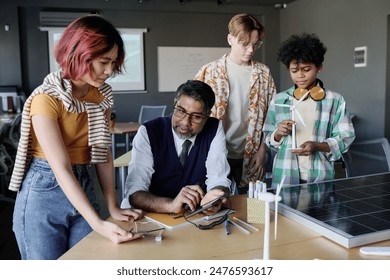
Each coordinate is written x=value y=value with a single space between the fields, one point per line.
x=245 y=223
x=240 y=227
x=227 y=228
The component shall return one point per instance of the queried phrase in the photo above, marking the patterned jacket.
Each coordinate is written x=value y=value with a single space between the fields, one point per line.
x=261 y=90
x=332 y=125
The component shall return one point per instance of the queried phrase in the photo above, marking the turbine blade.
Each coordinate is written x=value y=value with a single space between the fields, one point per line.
x=283 y=105
x=301 y=99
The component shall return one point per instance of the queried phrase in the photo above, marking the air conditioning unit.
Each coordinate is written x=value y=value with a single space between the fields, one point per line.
x=60 y=19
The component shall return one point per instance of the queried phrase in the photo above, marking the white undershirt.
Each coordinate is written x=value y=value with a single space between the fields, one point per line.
x=236 y=124
x=307 y=110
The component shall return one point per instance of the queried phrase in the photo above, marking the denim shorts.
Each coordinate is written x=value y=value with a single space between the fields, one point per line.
x=45 y=223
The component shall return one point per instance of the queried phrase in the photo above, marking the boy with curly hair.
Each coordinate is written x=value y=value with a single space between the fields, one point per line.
x=307 y=125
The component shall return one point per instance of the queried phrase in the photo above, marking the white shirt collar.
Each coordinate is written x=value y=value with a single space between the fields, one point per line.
x=179 y=141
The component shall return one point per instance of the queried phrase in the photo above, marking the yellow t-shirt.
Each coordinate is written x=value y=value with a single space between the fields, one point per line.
x=73 y=126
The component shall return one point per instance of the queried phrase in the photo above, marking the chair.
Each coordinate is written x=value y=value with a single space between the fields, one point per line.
x=3 y=170
x=148 y=112
x=14 y=132
x=367 y=157
x=6 y=166
x=7 y=157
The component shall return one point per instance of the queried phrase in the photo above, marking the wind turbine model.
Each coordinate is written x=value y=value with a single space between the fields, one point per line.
x=292 y=109
x=268 y=197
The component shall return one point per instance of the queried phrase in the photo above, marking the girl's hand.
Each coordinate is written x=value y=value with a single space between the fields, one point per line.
x=115 y=233
x=130 y=214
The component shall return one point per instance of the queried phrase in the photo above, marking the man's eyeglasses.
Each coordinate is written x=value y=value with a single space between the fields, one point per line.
x=245 y=45
x=194 y=117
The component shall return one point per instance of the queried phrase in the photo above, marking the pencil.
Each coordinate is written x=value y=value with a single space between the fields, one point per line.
x=245 y=223
x=240 y=227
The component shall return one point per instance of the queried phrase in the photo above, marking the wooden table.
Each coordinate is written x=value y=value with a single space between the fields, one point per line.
x=125 y=128
x=189 y=243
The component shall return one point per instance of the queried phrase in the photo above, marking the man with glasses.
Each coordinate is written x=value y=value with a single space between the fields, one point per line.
x=164 y=176
x=243 y=88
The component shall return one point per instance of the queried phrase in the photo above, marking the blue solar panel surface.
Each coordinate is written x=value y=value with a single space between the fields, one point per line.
x=351 y=207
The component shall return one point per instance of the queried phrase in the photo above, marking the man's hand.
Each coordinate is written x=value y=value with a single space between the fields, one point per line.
x=212 y=195
x=190 y=195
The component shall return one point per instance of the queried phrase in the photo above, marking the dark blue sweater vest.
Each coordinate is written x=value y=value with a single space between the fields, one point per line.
x=169 y=176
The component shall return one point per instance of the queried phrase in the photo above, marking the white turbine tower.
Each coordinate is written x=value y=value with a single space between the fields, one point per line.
x=268 y=197
x=293 y=110
x=277 y=199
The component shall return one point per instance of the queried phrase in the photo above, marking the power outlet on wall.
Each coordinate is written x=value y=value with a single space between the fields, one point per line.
x=360 y=57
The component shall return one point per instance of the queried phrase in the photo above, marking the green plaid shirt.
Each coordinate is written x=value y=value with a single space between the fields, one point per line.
x=332 y=125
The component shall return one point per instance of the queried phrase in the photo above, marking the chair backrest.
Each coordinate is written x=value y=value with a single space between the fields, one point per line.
x=367 y=157
x=149 y=112
x=4 y=157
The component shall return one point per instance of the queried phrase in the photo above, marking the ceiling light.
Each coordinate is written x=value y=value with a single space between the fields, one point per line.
x=280 y=6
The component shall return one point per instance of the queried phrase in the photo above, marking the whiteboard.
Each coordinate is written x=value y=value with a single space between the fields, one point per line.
x=176 y=65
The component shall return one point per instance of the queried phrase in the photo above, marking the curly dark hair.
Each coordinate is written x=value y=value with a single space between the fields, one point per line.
x=303 y=48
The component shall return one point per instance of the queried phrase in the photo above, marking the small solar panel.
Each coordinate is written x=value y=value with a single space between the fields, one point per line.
x=351 y=211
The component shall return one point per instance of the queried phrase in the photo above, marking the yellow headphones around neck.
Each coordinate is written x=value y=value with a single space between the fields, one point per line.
x=317 y=93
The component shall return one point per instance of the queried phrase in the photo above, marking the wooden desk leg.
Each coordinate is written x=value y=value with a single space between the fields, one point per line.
x=122 y=182
x=113 y=146
x=127 y=142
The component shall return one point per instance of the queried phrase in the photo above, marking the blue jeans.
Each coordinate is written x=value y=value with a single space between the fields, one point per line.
x=45 y=223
